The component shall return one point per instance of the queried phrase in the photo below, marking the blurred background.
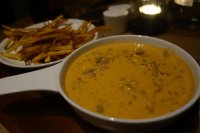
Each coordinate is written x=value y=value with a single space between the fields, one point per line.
x=35 y=11
x=41 y=10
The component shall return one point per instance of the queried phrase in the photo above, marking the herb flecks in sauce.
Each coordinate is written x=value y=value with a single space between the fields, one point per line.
x=129 y=80
x=103 y=60
x=89 y=73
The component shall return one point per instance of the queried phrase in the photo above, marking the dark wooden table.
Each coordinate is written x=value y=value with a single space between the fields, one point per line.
x=46 y=112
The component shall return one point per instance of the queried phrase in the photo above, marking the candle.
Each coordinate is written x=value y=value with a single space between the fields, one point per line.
x=149 y=17
x=150 y=9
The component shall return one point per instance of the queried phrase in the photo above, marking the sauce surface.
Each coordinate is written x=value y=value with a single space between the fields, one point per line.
x=129 y=80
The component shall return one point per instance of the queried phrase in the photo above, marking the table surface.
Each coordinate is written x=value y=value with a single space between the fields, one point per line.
x=41 y=112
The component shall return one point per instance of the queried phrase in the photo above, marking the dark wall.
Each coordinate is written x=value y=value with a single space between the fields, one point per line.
x=41 y=10
x=12 y=10
x=6 y=15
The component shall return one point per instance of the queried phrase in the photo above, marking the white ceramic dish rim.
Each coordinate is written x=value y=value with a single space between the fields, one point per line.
x=20 y=64
x=151 y=40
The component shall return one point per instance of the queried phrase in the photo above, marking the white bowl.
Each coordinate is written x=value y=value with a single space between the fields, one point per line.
x=116 y=124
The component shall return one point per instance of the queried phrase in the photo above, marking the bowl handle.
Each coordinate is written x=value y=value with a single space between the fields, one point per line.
x=43 y=79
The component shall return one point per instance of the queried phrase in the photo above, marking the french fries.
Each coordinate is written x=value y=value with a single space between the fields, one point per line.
x=54 y=41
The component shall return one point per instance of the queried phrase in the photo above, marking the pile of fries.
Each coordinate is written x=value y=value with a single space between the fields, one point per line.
x=51 y=42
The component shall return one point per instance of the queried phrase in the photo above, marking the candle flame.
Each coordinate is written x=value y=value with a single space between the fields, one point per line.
x=150 y=9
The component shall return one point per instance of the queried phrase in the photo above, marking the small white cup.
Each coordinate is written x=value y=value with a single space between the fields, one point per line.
x=117 y=20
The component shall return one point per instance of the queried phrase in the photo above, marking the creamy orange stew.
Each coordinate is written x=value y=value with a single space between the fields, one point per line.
x=129 y=80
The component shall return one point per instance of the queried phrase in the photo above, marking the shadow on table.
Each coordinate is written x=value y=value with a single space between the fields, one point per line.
x=50 y=104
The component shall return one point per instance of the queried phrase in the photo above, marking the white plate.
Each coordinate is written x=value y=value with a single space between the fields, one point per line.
x=75 y=24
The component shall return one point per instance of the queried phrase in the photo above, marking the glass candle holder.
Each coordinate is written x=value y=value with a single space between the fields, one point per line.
x=148 y=17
